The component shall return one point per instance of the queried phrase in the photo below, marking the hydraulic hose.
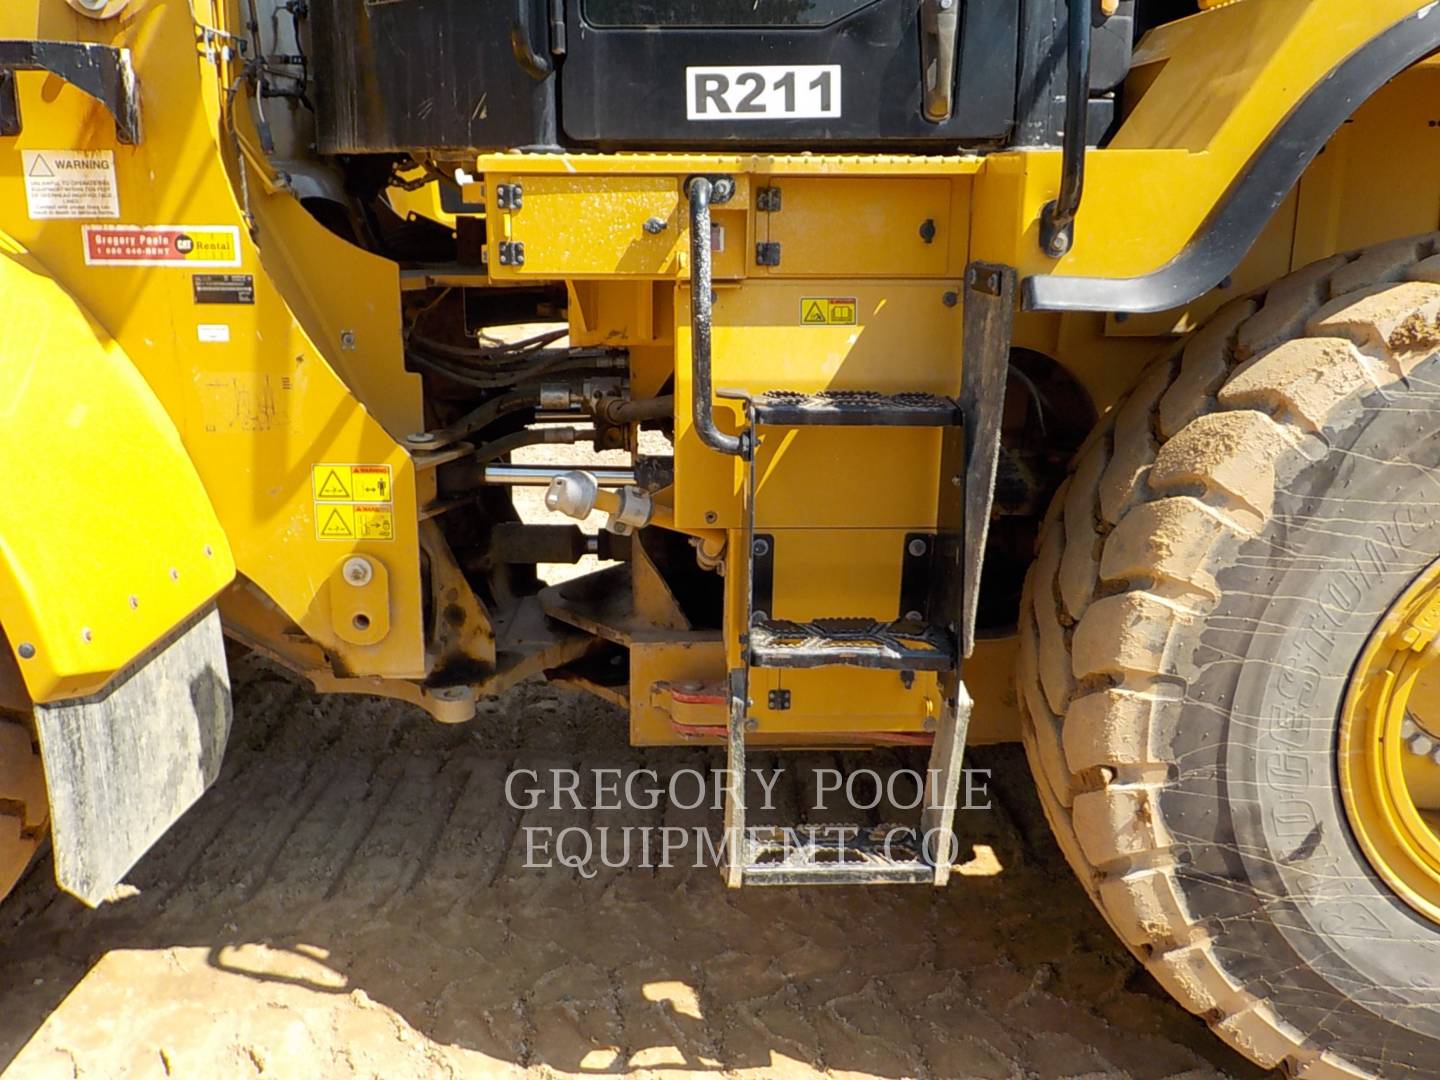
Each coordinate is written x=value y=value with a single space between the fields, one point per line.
x=478 y=418
x=625 y=412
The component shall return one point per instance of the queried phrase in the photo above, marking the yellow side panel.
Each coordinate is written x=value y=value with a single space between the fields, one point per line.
x=108 y=539
x=906 y=336
x=862 y=228
x=584 y=226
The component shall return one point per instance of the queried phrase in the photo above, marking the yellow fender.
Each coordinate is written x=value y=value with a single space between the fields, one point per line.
x=108 y=540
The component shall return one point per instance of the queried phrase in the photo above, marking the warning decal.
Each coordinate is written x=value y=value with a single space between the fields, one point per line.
x=354 y=521
x=162 y=245
x=70 y=184
x=827 y=310
x=352 y=502
x=351 y=483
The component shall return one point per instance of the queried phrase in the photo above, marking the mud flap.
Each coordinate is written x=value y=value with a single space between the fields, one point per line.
x=123 y=765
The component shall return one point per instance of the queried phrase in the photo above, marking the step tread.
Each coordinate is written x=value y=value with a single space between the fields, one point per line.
x=904 y=645
x=853 y=408
x=834 y=855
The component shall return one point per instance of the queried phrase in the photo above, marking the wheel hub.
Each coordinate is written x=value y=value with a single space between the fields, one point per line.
x=1390 y=746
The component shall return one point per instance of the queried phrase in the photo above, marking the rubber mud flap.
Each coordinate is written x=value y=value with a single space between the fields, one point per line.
x=123 y=765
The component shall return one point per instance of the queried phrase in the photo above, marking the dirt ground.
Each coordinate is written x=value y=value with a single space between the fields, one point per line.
x=351 y=900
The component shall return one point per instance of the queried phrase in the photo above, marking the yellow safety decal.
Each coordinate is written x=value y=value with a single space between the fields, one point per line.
x=352 y=502
x=354 y=521
x=827 y=310
x=351 y=483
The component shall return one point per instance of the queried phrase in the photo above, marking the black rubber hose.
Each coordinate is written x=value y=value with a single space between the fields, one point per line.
x=627 y=412
x=483 y=416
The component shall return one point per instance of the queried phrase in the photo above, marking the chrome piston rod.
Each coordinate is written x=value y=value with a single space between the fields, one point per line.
x=541 y=475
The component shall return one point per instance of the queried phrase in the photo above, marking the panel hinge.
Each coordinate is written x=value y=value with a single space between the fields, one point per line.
x=512 y=253
x=767 y=254
x=767 y=200
x=509 y=196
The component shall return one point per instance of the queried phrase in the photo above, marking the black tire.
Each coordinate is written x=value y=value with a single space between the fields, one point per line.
x=1204 y=585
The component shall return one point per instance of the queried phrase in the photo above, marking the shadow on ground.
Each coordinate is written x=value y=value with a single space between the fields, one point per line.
x=352 y=899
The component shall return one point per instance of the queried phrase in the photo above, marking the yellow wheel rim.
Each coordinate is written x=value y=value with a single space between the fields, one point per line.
x=1390 y=747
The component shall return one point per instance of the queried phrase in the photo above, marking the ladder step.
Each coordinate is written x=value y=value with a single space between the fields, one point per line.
x=894 y=646
x=834 y=855
x=853 y=408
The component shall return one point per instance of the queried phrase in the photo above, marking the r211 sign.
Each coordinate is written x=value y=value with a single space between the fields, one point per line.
x=763 y=92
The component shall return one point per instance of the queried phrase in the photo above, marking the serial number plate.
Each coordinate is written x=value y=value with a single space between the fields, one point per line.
x=763 y=92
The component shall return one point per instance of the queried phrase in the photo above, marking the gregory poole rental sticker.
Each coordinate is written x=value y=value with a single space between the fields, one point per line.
x=162 y=245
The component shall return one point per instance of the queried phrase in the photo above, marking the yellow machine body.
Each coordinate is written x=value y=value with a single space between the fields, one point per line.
x=293 y=409
x=110 y=537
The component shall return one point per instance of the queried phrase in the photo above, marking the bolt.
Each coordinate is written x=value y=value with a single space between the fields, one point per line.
x=1060 y=243
x=711 y=517
x=209 y=552
x=134 y=601
x=950 y=298
x=927 y=230
x=930 y=724
x=358 y=571
x=957 y=480
x=347 y=340
x=917 y=547
x=420 y=437
x=174 y=574
x=87 y=635
x=26 y=650
x=946 y=5
x=759 y=616
x=655 y=226
x=751 y=723
x=762 y=548
x=914 y=616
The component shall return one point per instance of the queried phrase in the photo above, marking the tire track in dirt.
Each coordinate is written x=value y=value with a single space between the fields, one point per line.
x=352 y=900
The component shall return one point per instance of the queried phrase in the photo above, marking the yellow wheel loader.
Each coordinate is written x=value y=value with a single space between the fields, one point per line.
x=1055 y=370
